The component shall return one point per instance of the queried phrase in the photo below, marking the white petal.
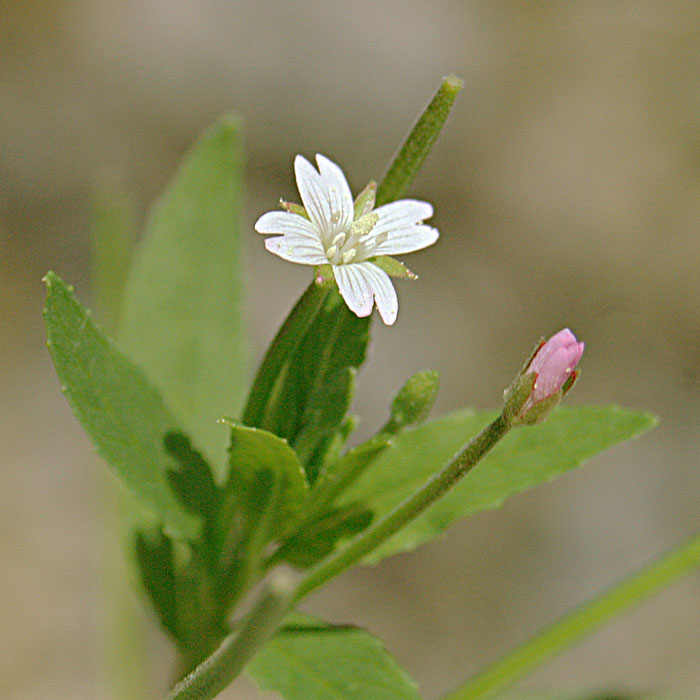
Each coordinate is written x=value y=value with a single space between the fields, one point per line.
x=363 y=283
x=401 y=214
x=313 y=196
x=384 y=292
x=407 y=240
x=338 y=190
x=298 y=249
x=284 y=222
x=354 y=288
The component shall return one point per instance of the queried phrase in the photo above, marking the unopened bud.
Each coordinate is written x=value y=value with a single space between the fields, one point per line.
x=413 y=402
x=549 y=375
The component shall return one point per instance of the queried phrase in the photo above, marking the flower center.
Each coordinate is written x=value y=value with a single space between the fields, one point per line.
x=356 y=244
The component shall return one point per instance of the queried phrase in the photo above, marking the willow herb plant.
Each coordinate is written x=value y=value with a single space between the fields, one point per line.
x=241 y=508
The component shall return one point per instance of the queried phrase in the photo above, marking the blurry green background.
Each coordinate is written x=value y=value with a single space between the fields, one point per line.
x=567 y=190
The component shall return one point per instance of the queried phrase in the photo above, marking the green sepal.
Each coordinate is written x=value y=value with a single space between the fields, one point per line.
x=393 y=267
x=516 y=395
x=293 y=208
x=364 y=202
x=324 y=274
x=539 y=412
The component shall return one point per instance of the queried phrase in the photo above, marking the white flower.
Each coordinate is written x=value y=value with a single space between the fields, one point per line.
x=349 y=236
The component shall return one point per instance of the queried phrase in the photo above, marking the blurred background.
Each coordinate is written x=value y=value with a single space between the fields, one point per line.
x=566 y=187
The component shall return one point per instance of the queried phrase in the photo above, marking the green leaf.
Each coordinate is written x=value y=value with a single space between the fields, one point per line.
x=154 y=556
x=526 y=457
x=113 y=239
x=309 y=660
x=119 y=409
x=304 y=386
x=320 y=537
x=267 y=480
x=181 y=316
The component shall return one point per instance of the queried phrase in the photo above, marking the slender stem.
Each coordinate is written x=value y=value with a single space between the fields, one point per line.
x=383 y=529
x=582 y=621
x=236 y=650
x=409 y=158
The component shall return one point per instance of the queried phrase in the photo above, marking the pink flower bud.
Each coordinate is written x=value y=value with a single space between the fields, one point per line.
x=554 y=363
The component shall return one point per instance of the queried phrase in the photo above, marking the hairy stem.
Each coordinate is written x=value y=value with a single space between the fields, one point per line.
x=235 y=651
x=409 y=158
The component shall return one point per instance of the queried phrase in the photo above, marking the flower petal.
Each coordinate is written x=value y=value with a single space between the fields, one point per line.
x=407 y=240
x=384 y=292
x=325 y=195
x=284 y=222
x=338 y=189
x=402 y=214
x=298 y=249
x=354 y=288
x=361 y=284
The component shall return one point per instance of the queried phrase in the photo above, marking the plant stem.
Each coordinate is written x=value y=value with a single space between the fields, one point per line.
x=236 y=650
x=383 y=529
x=582 y=621
x=409 y=158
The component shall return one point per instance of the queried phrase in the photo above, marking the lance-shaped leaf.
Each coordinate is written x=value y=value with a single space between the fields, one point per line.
x=304 y=387
x=526 y=457
x=311 y=660
x=181 y=313
x=119 y=409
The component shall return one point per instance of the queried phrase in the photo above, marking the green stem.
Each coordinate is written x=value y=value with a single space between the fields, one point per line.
x=280 y=351
x=409 y=158
x=383 y=529
x=236 y=650
x=582 y=621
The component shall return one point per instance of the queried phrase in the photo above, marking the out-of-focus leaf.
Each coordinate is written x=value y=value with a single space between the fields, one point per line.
x=526 y=457
x=119 y=409
x=319 y=538
x=311 y=660
x=181 y=312
x=154 y=555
